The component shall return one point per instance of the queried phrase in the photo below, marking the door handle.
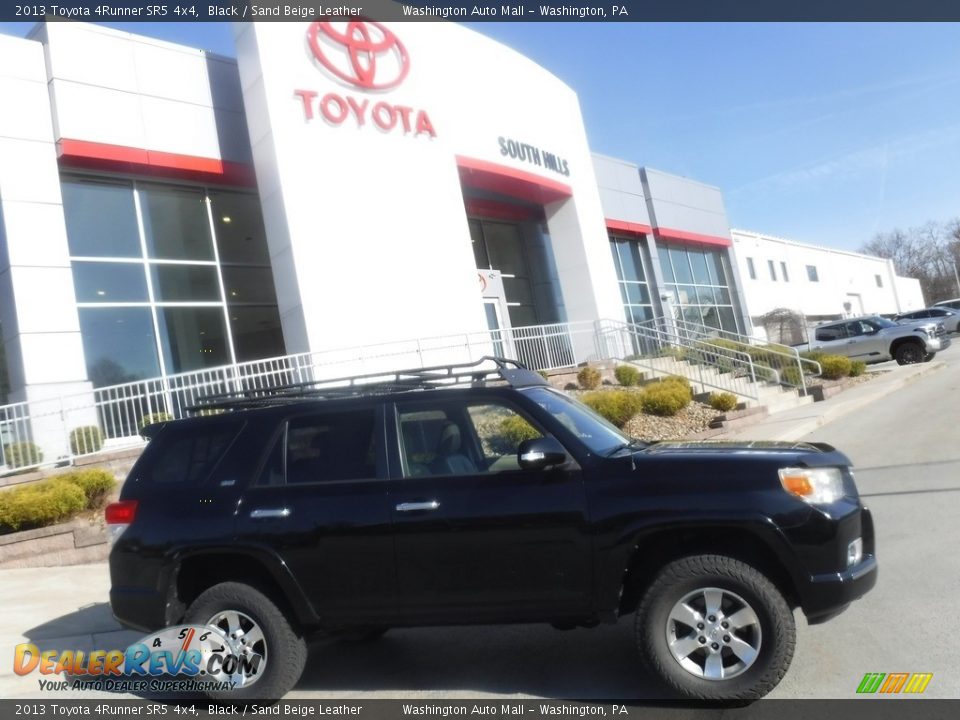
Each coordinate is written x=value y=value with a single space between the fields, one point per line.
x=264 y=513
x=411 y=507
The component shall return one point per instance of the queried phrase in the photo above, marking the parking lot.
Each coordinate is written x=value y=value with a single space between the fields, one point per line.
x=906 y=449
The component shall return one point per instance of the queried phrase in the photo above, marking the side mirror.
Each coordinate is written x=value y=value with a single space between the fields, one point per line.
x=540 y=453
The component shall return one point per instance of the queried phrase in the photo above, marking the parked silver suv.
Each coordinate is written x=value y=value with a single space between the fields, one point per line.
x=875 y=339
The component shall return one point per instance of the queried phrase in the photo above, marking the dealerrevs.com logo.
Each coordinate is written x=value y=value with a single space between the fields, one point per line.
x=369 y=57
x=361 y=53
x=186 y=658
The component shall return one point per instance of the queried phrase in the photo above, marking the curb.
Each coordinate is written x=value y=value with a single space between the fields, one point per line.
x=845 y=408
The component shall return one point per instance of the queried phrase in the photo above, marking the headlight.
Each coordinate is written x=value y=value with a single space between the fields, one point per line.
x=813 y=485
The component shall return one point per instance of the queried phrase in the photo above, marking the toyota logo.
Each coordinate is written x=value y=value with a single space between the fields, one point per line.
x=360 y=52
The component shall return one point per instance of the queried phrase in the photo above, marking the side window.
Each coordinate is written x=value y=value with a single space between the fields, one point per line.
x=834 y=332
x=453 y=439
x=189 y=454
x=331 y=446
x=855 y=328
x=500 y=430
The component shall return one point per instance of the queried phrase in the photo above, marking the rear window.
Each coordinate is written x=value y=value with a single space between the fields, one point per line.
x=189 y=454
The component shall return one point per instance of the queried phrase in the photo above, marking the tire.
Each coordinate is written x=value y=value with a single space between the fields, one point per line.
x=754 y=651
x=909 y=353
x=929 y=356
x=284 y=651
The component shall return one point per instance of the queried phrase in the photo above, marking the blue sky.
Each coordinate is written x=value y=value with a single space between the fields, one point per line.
x=826 y=133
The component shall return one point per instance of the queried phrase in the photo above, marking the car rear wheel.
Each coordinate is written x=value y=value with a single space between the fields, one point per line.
x=255 y=628
x=714 y=628
x=909 y=353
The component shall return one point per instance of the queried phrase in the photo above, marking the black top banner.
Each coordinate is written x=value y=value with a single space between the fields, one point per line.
x=521 y=11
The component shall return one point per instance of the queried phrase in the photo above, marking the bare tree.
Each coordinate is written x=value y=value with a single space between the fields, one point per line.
x=928 y=253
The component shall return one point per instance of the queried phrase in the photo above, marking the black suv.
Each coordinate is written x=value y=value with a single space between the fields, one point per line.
x=478 y=494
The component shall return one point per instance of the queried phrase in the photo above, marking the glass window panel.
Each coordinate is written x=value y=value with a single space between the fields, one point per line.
x=727 y=319
x=705 y=295
x=691 y=313
x=119 y=345
x=701 y=272
x=637 y=293
x=238 y=223
x=518 y=290
x=193 y=338
x=630 y=261
x=722 y=296
x=332 y=446
x=687 y=295
x=711 y=317
x=680 y=265
x=522 y=316
x=718 y=275
x=614 y=246
x=479 y=247
x=257 y=332
x=505 y=245
x=185 y=283
x=101 y=219
x=109 y=282
x=623 y=293
x=640 y=313
x=249 y=285
x=666 y=267
x=176 y=223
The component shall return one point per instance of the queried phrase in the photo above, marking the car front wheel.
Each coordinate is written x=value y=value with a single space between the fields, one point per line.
x=271 y=654
x=714 y=628
x=909 y=353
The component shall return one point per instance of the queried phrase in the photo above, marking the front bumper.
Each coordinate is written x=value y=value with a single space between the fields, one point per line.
x=939 y=343
x=829 y=595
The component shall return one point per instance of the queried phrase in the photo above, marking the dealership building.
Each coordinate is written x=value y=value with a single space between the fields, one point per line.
x=165 y=210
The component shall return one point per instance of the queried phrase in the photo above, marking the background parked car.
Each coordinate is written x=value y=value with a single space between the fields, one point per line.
x=955 y=304
x=875 y=339
x=947 y=315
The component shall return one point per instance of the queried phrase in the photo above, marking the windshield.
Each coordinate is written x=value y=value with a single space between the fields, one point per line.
x=882 y=322
x=596 y=433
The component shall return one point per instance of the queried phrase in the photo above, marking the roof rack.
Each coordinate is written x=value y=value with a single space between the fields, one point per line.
x=504 y=371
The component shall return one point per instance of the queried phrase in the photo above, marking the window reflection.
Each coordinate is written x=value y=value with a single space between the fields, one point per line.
x=101 y=218
x=192 y=338
x=175 y=223
x=119 y=345
x=109 y=282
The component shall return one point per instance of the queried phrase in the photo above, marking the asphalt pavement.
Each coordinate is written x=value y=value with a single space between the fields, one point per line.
x=905 y=444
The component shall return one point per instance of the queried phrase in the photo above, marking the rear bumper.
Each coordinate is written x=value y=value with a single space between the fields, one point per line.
x=138 y=608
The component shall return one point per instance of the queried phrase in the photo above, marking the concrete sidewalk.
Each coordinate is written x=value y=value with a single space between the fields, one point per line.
x=796 y=423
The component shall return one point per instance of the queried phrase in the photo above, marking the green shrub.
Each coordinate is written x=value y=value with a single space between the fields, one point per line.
x=86 y=439
x=617 y=406
x=544 y=374
x=835 y=366
x=22 y=454
x=514 y=430
x=724 y=402
x=792 y=376
x=628 y=375
x=815 y=355
x=665 y=398
x=678 y=381
x=857 y=368
x=96 y=484
x=589 y=378
x=675 y=352
x=40 y=504
x=155 y=418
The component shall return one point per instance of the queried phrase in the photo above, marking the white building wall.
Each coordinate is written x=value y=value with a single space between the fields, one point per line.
x=843 y=278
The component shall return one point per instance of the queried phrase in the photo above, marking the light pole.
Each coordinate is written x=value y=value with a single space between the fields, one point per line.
x=956 y=277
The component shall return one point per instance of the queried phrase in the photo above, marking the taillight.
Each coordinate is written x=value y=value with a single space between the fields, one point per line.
x=119 y=515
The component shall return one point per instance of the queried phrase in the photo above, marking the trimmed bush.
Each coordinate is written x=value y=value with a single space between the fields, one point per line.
x=835 y=367
x=589 y=378
x=675 y=352
x=665 y=398
x=627 y=375
x=22 y=454
x=86 y=439
x=617 y=406
x=44 y=503
x=792 y=376
x=154 y=418
x=815 y=355
x=96 y=484
x=857 y=368
x=677 y=380
x=724 y=402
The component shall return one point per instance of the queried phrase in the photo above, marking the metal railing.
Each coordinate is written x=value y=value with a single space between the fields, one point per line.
x=57 y=430
x=792 y=369
x=711 y=366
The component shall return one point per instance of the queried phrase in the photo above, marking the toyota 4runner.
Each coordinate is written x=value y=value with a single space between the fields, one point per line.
x=478 y=494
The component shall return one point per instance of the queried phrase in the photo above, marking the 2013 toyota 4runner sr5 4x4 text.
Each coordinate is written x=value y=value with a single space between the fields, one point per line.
x=477 y=494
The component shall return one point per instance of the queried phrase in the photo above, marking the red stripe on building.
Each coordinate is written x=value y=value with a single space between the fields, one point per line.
x=689 y=237
x=627 y=228
x=484 y=175
x=120 y=158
